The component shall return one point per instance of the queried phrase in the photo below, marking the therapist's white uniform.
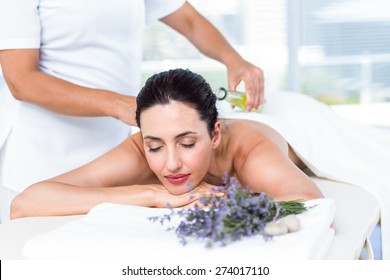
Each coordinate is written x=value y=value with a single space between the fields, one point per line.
x=92 y=43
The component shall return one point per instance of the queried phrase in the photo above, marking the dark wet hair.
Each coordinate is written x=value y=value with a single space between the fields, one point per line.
x=182 y=86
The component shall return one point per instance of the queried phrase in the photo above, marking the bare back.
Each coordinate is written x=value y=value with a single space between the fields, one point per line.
x=247 y=133
x=258 y=156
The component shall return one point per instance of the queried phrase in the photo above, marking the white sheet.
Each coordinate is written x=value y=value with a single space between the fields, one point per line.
x=112 y=231
x=333 y=147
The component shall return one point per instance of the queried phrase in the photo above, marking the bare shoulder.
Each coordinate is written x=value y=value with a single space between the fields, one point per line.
x=261 y=161
x=134 y=142
x=133 y=146
x=247 y=134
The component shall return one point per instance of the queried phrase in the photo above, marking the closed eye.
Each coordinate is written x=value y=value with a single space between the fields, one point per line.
x=154 y=150
x=188 y=146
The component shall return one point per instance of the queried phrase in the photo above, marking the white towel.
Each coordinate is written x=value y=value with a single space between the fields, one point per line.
x=332 y=147
x=112 y=231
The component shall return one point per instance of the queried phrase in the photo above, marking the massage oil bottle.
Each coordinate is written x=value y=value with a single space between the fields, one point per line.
x=236 y=98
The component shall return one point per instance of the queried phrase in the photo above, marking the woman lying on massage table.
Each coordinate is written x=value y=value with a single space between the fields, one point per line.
x=182 y=143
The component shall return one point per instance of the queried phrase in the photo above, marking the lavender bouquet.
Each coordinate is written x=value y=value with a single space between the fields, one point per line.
x=224 y=219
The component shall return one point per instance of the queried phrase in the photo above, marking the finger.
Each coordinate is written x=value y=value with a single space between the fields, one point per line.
x=250 y=95
x=177 y=201
x=259 y=90
x=256 y=94
x=192 y=205
x=261 y=86
x=233 y=83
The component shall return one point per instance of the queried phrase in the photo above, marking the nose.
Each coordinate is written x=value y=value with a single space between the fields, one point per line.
x=173 y=162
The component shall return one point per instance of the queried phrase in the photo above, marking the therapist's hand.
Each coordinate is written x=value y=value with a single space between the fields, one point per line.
x=253 y=78
x=124 y=109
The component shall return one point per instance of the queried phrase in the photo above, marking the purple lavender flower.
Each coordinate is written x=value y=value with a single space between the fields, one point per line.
x=222 y=220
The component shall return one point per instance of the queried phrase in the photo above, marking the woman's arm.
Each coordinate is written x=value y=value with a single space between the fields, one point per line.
x=77 y=191
x=52 y=198
x=205 y=37
x=120 y=176
x=265 y=168
x=27 y=83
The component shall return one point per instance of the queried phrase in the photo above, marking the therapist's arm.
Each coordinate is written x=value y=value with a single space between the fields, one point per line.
x=205 y=37
x=27 y=83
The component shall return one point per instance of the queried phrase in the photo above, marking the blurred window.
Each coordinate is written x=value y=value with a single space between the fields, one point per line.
x=335 y=50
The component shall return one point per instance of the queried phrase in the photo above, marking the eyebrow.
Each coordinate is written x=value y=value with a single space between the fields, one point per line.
x=153 y=138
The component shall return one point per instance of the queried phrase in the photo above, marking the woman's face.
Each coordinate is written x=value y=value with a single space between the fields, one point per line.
x=177 y=145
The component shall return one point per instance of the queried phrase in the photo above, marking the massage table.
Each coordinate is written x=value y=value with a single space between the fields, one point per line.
x=357 y=214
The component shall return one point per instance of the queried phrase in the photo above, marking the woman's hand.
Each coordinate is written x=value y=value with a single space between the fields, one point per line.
x=162 y=198
x=205 y=189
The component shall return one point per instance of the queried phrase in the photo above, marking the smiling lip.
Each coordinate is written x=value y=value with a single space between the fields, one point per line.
x=177 y=179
